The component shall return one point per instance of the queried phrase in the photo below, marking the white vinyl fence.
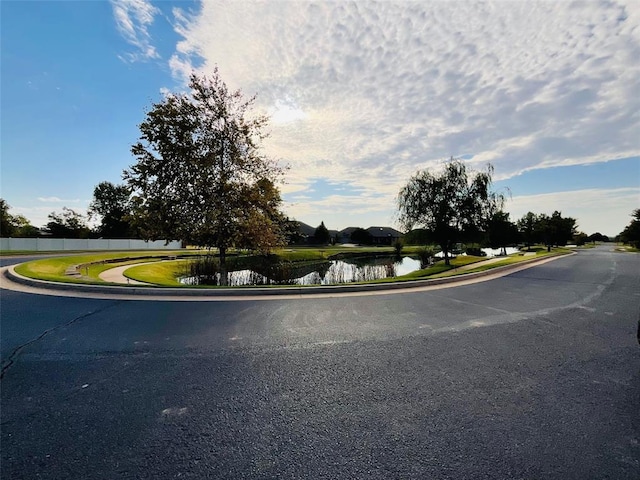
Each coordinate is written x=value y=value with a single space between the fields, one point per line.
x=55 y=244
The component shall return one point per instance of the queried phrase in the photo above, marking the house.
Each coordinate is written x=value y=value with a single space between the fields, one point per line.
x=384 y=235
x=344 y=235
x=379 y=235
x=306 y=230
x=305 y=234
x=301 y=233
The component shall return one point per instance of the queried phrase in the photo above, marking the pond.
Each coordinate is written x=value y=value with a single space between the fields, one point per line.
x=318 y=273
x=489 y=252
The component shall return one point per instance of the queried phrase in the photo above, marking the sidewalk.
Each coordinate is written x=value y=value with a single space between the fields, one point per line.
x=116 y=275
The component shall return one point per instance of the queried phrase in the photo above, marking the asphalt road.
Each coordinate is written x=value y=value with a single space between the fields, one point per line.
x=535 y=375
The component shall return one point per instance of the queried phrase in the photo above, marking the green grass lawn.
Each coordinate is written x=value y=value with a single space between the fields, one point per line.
x=53 y=269
x=165 y=273
x=159 y=273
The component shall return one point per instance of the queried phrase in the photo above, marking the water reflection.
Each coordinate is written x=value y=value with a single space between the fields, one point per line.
x=320 y=273
x=489 y=252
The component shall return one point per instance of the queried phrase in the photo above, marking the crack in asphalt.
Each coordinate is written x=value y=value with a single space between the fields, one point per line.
x=6 y=364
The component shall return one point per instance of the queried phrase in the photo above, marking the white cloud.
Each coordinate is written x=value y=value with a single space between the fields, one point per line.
x=133 y=18
x=57 y=200
x=380 y=89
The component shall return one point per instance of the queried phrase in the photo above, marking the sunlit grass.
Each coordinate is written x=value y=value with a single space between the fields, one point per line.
x=53 y=269
x=159 y=273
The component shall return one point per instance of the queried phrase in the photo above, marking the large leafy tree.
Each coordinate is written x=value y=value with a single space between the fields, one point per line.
x=453 y=204
x=200 y=176
x=199 y=170
x=112 y=205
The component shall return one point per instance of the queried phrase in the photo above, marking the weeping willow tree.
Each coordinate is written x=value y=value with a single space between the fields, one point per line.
x=452 y=204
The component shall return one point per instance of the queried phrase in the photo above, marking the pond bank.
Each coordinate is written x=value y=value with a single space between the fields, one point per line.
x=14 y=281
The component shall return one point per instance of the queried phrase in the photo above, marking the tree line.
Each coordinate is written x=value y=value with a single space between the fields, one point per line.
x=200 y=177
x=111 y=205
x=457 y=206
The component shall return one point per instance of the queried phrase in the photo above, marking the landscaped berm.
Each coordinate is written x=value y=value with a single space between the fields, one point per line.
x=298 y=266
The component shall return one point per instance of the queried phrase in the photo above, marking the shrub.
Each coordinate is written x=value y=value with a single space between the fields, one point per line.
x=426 y=255
x=397 y=246
x=203 y=270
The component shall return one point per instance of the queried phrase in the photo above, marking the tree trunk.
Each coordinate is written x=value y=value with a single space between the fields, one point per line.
x=224 y=277
x=445 y=250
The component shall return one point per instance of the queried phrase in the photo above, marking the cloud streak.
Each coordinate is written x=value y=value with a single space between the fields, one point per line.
x=133 y=18
x=57 y=200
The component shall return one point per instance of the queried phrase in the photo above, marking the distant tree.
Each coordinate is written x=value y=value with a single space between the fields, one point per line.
x=631 y=234
x=23 y=228
x=68 y=224
x=555 y=229
x=7 y=227
x=527 y=228
x=15 y=225
x=452 y=204
x=563 y=228
x=361 y=237
x=544 y=230
x=321 y=235
x=418 y=236
x=597 y=237
x=398 y=245
x=112 y=206
x=501 y=232
x=198 y=171
x=291 y=232
x=580 y=238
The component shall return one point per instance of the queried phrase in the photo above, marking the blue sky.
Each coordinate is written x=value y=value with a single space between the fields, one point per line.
x=361 y=95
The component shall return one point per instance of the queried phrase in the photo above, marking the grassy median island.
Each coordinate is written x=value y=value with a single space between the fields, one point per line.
x=159 y=271
x=89 y=265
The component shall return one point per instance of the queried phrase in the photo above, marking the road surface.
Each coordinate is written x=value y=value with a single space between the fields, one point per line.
x=533 y=375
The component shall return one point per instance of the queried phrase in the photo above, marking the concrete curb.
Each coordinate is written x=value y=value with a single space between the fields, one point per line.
x=136 y=290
